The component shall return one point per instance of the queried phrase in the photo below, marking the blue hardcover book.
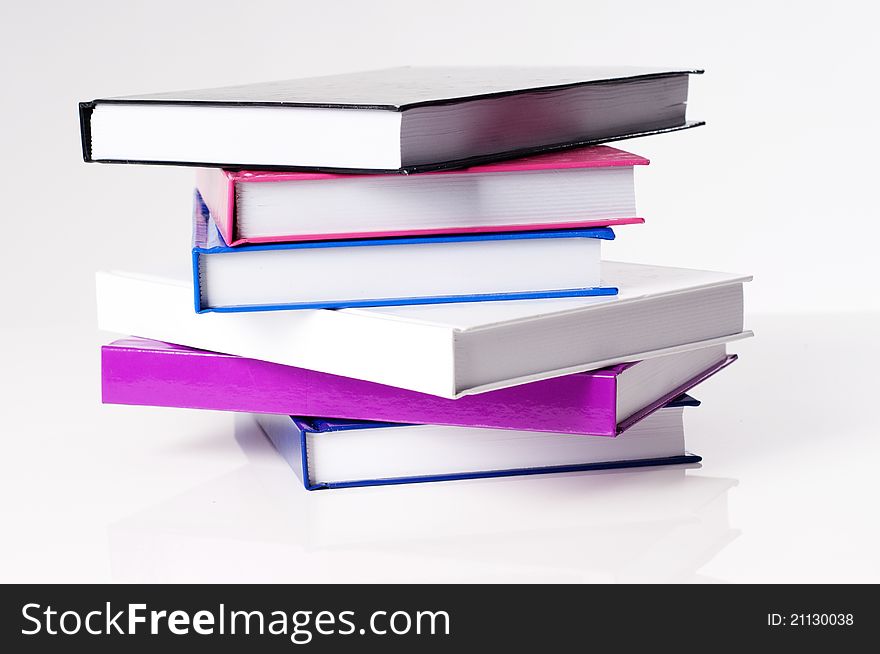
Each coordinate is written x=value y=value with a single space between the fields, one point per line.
x=328 y=453
x=393 y=271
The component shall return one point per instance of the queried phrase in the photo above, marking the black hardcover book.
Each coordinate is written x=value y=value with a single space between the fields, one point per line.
x=395 y=120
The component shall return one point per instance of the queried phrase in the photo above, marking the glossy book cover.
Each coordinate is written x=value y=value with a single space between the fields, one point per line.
x=150 y=373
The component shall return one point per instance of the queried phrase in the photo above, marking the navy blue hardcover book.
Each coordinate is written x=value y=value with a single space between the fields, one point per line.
x=393 y=271
x=328 y=453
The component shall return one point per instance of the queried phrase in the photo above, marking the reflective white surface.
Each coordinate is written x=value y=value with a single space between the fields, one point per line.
x=787 y=490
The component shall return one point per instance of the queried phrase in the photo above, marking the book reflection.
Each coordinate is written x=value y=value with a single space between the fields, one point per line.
x=257 y=524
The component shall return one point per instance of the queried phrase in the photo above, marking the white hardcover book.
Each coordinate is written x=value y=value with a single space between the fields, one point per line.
x=449 y=350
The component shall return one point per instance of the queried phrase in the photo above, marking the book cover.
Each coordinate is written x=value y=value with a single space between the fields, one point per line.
x=217 y=188
x=151 y=373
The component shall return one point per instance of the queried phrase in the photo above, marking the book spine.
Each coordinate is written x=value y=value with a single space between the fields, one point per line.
x=197 y=281
x=85 y=128
x=575 y=404
x=217 y=188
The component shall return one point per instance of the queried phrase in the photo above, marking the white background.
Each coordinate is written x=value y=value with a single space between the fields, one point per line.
x=781 y=184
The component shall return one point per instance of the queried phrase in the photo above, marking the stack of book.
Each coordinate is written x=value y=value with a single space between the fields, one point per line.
x=399 y=272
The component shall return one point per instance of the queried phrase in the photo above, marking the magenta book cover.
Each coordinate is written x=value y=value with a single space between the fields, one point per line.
x=142 y=372
x=218 y=189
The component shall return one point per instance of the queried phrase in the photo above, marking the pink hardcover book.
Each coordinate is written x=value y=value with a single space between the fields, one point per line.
x=603 y=402
x=584 y=187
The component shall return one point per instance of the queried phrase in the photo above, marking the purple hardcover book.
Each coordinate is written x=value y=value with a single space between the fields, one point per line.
x=602 y=402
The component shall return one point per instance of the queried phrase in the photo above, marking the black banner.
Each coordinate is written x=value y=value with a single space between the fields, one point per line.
x=428 y=618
